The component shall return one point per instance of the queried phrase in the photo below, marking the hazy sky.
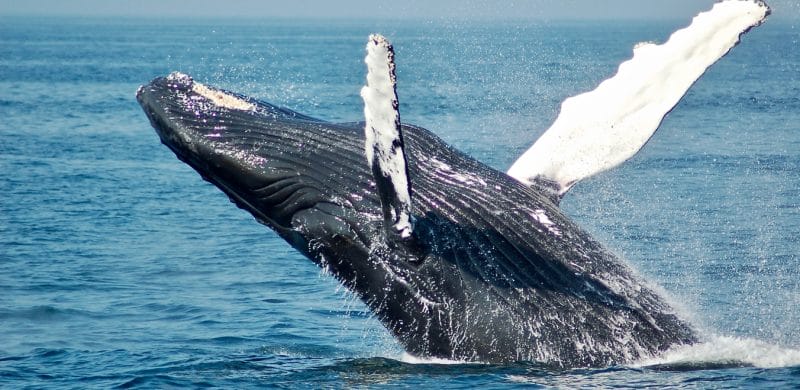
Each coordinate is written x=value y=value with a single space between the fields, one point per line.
x=419 y=9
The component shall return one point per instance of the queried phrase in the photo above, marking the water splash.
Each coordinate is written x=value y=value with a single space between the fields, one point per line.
x=727 y=351
x=411 y=359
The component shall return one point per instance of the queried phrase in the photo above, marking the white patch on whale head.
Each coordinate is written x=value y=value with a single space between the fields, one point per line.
x=222 y=99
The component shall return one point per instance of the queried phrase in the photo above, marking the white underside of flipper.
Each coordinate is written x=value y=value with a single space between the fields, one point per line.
x=601 y=129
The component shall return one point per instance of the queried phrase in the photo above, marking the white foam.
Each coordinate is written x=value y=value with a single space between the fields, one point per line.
x=716 y=350
x=726 y=349
x=599 y=130
x=411 y=359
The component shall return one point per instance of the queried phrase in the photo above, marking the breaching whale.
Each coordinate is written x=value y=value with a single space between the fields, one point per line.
x=456 y=259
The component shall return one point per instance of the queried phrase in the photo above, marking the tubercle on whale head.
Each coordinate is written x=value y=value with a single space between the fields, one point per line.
x=208 y=129
x=218 y=97
x=187 y=120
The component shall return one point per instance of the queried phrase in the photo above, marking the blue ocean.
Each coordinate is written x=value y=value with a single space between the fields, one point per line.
x=121 y=268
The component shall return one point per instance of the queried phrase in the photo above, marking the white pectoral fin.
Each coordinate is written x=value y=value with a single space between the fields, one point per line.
x=384 y=139
x=601 y=129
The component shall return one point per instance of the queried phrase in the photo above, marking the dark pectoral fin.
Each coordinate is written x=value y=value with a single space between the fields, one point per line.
x=384 y=139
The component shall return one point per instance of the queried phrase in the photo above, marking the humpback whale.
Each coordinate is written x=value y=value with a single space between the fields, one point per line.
x=456 y=259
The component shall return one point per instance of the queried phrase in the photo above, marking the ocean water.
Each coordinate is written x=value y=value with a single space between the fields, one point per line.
x=120 y=267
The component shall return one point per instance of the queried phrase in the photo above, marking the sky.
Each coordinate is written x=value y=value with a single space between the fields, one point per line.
x=381 y=9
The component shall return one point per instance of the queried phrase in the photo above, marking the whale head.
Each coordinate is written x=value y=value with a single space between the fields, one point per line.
x=283 y=167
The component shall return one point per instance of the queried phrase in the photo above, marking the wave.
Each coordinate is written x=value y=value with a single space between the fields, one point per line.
x=46 y=313
x=725 y=351
x=411 y=359
x=718 y=352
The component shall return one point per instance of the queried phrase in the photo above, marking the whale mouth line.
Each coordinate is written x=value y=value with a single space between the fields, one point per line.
x=214 y=179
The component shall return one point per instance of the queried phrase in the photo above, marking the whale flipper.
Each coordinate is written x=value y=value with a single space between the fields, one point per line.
x=384 y=138
x=601 y=129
